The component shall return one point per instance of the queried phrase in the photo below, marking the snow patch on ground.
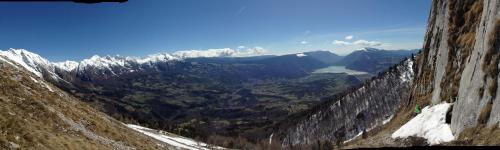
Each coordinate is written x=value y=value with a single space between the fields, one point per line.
x=359 y=134
x=33 y=79
x=371 y=128
x=430 y=124
x=43 y=83
x=174 y=140
x=387 y=120
x=2 y=59
x=48 y=87
x=301 y=54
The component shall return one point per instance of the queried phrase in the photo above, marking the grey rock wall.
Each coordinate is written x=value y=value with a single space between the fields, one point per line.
x=471 y=99
x=453 y=69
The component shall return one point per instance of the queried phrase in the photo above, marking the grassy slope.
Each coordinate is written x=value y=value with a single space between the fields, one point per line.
x=34 y=117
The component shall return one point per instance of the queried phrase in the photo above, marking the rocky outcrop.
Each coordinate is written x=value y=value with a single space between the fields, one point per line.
x=460 y=60
x=354 y=112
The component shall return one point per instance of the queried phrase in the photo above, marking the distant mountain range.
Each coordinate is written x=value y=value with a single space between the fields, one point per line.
x=367 y=59
x=202 y=96
x=374 y=60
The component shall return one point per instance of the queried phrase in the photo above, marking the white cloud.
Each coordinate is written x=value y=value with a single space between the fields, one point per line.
x=349 y=37
x=242 y=47
x=251 y=52
x=223 y=52
x=337 y=42
x=386 y=44
x=303 y=42
x=367 y=43
x=359 y=43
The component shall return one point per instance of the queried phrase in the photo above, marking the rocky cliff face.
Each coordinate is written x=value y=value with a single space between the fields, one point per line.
x=459 y=62
x=350 y=114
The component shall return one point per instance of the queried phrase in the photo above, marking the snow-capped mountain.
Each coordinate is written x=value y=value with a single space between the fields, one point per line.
x=66 y=65
x=34 y=63
x=112 y=64
x=108 y=66
x=108 y=62
x=31 y=61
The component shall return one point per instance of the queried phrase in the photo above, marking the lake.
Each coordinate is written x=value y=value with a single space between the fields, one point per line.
x=339 y=69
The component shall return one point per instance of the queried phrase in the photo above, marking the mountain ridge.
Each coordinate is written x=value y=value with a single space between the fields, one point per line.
x=173 y=94
x=35 y=62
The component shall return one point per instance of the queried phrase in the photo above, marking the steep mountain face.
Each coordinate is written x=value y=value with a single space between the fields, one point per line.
x=460 y=62
x=458 y=67
x=349 y=114
x=36 y=115
x=374 y=60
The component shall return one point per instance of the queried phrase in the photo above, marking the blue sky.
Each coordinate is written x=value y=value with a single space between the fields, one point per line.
x=60 y=31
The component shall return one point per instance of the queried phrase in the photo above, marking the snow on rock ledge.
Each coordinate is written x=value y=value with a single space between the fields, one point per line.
x=430 y=124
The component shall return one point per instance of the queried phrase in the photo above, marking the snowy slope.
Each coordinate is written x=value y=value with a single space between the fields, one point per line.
x=37 y=64
x=113 y=65
x=430 y=124
x=40 y=66
x=32 y=62
x=66 y=65
x=174 y=140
